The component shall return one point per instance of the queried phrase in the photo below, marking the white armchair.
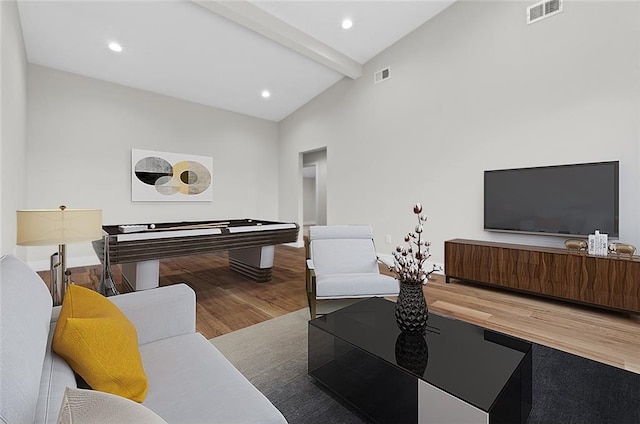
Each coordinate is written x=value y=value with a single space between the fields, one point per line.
x=342 y=264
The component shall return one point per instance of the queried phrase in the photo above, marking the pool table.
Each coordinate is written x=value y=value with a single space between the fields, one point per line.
x=139 y=248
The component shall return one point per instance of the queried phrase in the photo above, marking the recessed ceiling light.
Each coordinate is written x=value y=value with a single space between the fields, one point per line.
x=116 y=47
x=347 y=23
x=265 y=93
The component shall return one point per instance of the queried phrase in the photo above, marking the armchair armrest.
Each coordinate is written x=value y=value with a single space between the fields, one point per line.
x=310 y=282
x=161 y=312
x=386 y=260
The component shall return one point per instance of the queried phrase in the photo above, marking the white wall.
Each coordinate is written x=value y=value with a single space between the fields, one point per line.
x=13 y=93
x=80 y=134
x=474 y=89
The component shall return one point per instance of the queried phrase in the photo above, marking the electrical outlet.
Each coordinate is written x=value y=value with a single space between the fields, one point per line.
x=387 y=239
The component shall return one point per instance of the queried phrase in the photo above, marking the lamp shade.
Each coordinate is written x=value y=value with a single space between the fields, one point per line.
x=45 y=227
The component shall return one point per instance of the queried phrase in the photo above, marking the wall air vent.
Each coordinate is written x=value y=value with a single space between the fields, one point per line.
x=543 y=9
x=382 y=75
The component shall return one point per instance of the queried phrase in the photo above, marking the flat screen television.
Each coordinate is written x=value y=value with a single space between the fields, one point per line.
x=571 y=200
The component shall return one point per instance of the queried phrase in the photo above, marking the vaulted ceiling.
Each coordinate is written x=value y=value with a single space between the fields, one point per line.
x=221 y=54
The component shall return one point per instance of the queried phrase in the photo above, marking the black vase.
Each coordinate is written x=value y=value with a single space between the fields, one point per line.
x=412 y=352
x=411 y=308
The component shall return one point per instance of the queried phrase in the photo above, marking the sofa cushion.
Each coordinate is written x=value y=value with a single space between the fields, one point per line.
x=25 y=314
x=93 y=407
x=56 y=376
x=100 y=344
x=190 y=381
x=159 y=313
x=355 y=285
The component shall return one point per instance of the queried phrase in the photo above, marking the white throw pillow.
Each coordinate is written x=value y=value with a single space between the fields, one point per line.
x=81 y=406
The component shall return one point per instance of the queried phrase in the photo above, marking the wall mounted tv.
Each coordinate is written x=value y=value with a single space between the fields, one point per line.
x=571 y=200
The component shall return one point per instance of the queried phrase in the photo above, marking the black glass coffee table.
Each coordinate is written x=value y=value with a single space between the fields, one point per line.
x=457 y=373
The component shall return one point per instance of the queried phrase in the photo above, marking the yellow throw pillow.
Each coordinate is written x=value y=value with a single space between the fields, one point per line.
x=100 y=344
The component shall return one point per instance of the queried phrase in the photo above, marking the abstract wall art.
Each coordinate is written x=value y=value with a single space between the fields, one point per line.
x=161 y=176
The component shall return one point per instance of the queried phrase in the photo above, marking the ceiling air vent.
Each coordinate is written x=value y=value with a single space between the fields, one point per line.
x=543 y=9
x=381 y=75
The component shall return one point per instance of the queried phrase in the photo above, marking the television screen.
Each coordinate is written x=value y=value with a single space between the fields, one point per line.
x=567 y=199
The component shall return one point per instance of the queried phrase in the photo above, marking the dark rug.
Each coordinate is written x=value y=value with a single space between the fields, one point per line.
x=567 y=389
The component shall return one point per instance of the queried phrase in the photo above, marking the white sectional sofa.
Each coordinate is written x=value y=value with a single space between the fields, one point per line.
x=189 y=381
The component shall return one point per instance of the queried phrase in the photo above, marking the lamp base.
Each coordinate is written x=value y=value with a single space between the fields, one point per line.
x=55 y=277
x=59 y=275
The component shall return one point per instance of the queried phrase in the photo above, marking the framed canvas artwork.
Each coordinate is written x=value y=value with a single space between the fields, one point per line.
x=162 y=177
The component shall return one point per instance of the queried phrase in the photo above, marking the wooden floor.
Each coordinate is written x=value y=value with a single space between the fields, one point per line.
x=227 y=301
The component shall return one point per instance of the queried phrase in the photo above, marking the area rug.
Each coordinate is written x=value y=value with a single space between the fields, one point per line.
x=567 y=389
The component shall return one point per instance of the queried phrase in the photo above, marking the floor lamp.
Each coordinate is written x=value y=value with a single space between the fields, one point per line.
x=46 y=227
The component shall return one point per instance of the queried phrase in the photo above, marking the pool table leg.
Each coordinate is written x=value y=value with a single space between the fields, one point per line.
x=253 y=262
x=142 y=275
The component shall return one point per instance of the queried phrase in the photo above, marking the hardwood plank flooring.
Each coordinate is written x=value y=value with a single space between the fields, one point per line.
x=227 y=301
x=605 y=336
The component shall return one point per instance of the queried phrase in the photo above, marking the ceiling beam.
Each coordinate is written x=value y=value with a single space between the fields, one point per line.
x=256 y=19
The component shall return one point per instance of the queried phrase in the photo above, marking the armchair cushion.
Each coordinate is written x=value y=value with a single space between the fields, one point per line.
x=341 y=249
x=100 y=344
x=328 y=232
x=342 y=256
x=355 y=285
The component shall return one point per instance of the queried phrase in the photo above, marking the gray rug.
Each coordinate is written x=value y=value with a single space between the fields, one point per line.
x=273 y=356
x=567 y=389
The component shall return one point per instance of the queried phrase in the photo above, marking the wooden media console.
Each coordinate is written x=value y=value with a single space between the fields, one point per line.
x=611 y=281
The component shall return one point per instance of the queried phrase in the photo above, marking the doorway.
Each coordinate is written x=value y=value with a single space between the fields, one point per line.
x=314 y=189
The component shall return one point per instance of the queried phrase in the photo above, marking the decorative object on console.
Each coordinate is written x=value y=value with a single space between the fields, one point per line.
x=408 y=265
x=622 y=249
x=598 y=244
x=161 y=176
x=573 y=244
x=46 y=227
